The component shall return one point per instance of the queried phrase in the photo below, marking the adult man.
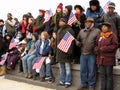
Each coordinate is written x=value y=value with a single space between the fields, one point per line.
x=10 y=24
x=86 y=41
x=112 y=17
x=63 y=58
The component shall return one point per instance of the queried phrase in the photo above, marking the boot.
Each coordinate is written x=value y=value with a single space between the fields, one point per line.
x=26 y=75
x=29 y=75
x=3 y=70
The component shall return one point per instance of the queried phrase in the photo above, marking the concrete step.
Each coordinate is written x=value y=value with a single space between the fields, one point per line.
x=14 y=75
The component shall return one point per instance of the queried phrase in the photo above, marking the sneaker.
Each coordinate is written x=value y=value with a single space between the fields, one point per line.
x=51 y=80
x=81 y=87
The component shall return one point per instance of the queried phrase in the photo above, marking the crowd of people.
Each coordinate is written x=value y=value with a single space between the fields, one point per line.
x=97 y=38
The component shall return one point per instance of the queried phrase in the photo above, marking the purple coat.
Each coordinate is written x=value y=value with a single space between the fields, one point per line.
x=107 y=50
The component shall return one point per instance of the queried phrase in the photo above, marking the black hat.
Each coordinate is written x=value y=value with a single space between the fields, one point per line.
x=79 y=7
x=94 y=3
x=69 y=7
x=106 y=24
x=64 y=19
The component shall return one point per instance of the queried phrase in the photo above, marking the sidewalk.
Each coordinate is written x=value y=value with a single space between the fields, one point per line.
x=6 y=84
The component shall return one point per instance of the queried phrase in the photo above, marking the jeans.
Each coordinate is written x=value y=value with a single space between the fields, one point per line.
x=88 y=70
x=106 y=75
x=65 y=73
x=27 y=63
x=45 y=71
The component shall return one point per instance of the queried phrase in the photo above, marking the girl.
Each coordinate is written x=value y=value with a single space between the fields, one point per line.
x=42 y=50
x=106 y=48
x=28 y=58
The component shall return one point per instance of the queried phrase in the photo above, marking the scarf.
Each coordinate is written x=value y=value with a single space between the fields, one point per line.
x=106 y=35
x=78 y=16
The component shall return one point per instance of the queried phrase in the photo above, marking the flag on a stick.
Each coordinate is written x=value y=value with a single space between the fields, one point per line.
x=39 y=63
x=72 y=19
x=106 y=6
x=48 y=15
x=66 y=42
x=13 y=43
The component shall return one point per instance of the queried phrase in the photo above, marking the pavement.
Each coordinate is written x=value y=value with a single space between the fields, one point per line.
x=6 y=84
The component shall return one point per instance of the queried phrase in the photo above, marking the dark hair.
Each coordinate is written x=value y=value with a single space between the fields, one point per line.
x=1 y=20
x=79 y=7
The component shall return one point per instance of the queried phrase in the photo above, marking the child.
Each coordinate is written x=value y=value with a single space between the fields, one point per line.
x=42 y=50
x=106 y=48
x=28 y=58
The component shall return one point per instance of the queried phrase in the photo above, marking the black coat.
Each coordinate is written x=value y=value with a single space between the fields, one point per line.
x=60 y=55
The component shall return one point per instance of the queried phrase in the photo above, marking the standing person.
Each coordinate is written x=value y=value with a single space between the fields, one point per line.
x=39 y=22
x=67 y=11
x=106 y=49
x=77 y=26
x=10 y=24
x=24 y=24
x=2 y=28
x=86 y=40
x=95 y=11
x=30 y=28
x=112 y=17
x=81 y=17
x=57 y=16
x=28 y=58
x=64 y=59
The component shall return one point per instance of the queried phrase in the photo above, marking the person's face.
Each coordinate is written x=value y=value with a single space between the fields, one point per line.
x=105 y=28
x=93 y=8
x=54 y=35
x=9 y=16
x=61 y=23
x=78 y=10
x=40 y=13
x=33 y=38
x=42 y=36
x=58 y=10
x=111 y=10
x=1 y=23
x=88 y=24
x=30 y=21
x=66 y=11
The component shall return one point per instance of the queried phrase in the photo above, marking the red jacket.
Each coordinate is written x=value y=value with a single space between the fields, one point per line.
x=107 y=50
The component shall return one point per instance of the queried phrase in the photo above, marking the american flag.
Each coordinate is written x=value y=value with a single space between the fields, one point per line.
x=13 y=43
x=72 y=19
x=39 y=63
x=65 y=43
x=48 y=15
x=106 y=6
x=3 y=59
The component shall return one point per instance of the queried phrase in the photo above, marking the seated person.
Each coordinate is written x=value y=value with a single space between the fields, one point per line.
x=29 y=57
x=42 y=50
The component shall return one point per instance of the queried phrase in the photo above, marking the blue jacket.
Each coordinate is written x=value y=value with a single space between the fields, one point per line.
x=46 y=48
x=96 y=15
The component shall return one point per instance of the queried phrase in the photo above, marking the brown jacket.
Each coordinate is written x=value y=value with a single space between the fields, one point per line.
x=86 y=40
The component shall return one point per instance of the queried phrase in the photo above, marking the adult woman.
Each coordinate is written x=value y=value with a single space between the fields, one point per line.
x=106 y=48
